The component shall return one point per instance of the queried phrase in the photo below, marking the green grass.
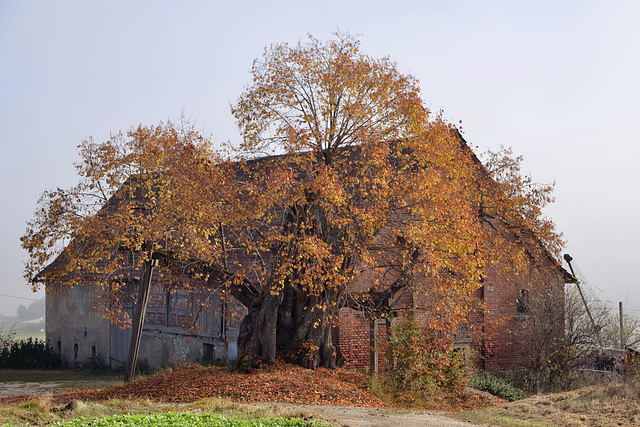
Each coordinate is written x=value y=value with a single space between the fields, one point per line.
x=40 y=411
x=185 y=419
x=497 y=386
x=24 y=336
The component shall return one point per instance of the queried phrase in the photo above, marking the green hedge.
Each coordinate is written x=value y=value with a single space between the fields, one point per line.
x=27 y=354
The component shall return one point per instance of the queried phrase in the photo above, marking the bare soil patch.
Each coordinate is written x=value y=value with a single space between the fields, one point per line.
x=28 y=382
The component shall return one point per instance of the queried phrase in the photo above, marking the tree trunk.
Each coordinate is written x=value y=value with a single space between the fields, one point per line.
x=291 y=324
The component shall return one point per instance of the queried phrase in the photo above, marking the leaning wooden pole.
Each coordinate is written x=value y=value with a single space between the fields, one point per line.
x=138 y=318
x=568 y=258
x=620 y=312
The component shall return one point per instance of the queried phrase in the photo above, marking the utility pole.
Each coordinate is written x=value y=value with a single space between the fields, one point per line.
x=138 y=318
x=621 y=326
x=568 y=258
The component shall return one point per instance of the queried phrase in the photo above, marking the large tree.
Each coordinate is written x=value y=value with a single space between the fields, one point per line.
x=346 y=191
x=364 y=186
x=125 y=216
x=368 y=187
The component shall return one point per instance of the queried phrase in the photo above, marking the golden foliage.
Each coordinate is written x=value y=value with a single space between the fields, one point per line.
x=363 y=181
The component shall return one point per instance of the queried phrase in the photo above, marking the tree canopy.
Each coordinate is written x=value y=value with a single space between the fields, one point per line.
x=345 y=192
x=126 y=207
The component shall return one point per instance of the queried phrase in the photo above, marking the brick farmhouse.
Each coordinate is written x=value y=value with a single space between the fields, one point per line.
x=185 y=326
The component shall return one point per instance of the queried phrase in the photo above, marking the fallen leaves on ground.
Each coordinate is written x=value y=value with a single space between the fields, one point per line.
x=279 y=382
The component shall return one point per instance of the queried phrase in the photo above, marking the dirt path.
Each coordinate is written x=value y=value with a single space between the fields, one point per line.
x=347 y=416
x=11 y=388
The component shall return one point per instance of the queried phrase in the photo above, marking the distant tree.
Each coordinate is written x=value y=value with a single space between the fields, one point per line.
x=36 y=309
x=22 y=311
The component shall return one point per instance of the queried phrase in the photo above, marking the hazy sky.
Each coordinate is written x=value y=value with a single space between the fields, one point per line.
x=556 y=80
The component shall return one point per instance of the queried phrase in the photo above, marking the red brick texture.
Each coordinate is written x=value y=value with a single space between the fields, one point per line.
x=499 y=336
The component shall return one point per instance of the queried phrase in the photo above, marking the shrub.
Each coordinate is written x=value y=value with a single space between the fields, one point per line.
x=6 y=338
x=418 y=370
x=497 y=386
x=27 y=354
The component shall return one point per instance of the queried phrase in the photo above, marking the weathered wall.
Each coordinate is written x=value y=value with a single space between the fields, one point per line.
x=74 y=328
x=78 y=333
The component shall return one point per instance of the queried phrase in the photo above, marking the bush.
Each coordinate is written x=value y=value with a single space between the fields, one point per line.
x=418 y=370
x=497 y=386
x=6 y=338
x=27 y=354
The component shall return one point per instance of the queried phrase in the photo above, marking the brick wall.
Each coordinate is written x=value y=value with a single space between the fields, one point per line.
x=352 y=340
x=500 y=337
x=507 y=339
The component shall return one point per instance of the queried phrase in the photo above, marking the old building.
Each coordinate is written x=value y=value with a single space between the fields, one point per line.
x=179 y=327
x=503 y=332
x=183 y=326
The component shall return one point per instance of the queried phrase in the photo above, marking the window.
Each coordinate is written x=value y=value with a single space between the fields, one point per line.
x=522 y=302
x=207 y=352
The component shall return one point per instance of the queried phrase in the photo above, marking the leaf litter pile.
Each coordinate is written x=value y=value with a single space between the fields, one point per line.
x=279 y=382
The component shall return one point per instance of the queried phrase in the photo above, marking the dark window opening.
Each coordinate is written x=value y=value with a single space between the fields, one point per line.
x=75 y=351
x=462 y=334
x=522 y=302
x=207 y=352
x=93 y=350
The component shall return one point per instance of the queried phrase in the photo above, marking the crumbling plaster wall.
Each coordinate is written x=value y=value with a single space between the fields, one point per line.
x=74 y=328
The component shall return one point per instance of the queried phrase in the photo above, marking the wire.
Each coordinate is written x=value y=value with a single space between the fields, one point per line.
x=27 y=299
x=623 y=308
x=590 y=288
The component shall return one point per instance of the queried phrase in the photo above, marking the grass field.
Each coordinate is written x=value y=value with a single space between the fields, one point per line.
x=614 y=404
x=24 y=336
x=46 y=382
x=206 y=412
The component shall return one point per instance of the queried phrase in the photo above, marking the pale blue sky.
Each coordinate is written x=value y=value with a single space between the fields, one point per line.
x=556 y=80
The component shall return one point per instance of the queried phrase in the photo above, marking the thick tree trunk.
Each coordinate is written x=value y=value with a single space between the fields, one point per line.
x=289 y=323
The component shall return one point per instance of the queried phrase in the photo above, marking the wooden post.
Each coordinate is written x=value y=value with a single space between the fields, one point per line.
x=373 y=339
x=622 y=343
x=375 y=342
x=138 y=318
x=224 y=293
x=596 y=329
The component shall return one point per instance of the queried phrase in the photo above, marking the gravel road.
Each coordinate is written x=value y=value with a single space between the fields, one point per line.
x=346 y=416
